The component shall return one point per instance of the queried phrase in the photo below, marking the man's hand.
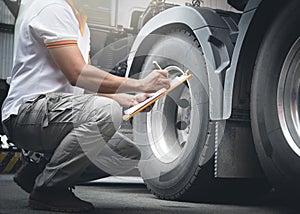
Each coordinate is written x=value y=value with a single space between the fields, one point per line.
x=141 y=98
x=128 y=100
x=156 y=80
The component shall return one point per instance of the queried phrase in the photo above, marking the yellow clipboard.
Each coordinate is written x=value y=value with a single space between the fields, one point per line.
x=162 y=94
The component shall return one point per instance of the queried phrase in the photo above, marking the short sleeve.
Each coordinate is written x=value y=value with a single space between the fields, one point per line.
x=56 y=25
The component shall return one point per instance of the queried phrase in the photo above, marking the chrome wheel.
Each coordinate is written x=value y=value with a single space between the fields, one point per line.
x=288 y=98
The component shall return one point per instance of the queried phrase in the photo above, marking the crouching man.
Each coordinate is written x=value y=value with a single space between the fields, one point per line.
x=47 y=111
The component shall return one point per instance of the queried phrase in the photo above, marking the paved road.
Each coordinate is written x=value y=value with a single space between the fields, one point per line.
x=112 y=196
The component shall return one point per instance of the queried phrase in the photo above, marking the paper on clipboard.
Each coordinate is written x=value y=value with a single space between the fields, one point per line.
x=129 y=113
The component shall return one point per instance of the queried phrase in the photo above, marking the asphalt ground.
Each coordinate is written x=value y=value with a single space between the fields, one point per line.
x=130 y=196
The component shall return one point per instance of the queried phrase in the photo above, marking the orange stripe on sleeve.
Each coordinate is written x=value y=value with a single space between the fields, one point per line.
x=62 y=43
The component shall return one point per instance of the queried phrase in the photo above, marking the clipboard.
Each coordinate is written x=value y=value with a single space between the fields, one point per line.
x=129 y=113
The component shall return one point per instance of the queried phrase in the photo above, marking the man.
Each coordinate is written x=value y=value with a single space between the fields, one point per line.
x=46 y=110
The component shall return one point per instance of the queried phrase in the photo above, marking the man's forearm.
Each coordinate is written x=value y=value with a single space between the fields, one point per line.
x=96 y=80
x=72 y=64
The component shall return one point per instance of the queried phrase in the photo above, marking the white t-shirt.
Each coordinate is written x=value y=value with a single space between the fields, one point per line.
x=46 y=24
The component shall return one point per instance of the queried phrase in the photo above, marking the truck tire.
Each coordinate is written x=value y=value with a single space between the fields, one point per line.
x=175 y=134
x=275 y=100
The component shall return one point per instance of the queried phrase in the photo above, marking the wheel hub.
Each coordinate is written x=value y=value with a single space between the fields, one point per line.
x=168 y=123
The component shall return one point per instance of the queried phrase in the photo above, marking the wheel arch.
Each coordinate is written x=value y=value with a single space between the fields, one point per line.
x=210 y=30
x=253 y=25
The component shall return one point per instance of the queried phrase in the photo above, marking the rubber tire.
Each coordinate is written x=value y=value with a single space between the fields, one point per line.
x=280 y=164
x=183 y=178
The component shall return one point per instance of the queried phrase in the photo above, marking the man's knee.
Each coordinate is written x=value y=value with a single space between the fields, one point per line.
x=107 y=113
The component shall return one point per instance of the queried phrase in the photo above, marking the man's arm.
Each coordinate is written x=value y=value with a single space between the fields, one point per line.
x=128 y=100
x=72 y=64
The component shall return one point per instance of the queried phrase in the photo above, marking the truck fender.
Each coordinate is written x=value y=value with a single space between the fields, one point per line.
x=239 y=49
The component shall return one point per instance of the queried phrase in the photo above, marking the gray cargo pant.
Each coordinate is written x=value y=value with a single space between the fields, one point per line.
x=80 y=131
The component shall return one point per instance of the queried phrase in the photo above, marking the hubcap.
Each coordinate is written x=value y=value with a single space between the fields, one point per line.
x=288 y=98
x=169 y=122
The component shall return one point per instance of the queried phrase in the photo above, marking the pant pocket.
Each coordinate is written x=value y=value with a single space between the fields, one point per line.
x=29 y=124
x=32 y=112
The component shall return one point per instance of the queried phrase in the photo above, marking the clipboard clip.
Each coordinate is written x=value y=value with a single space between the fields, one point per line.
x=157 y=66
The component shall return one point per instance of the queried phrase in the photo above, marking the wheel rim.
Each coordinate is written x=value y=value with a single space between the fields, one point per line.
x=169 y=122
x=288 y=98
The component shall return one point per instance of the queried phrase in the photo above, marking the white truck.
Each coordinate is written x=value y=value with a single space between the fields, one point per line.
x=235 y=126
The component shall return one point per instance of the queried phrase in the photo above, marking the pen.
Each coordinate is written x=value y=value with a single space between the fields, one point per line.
x=186 y=72
x=156 y=65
